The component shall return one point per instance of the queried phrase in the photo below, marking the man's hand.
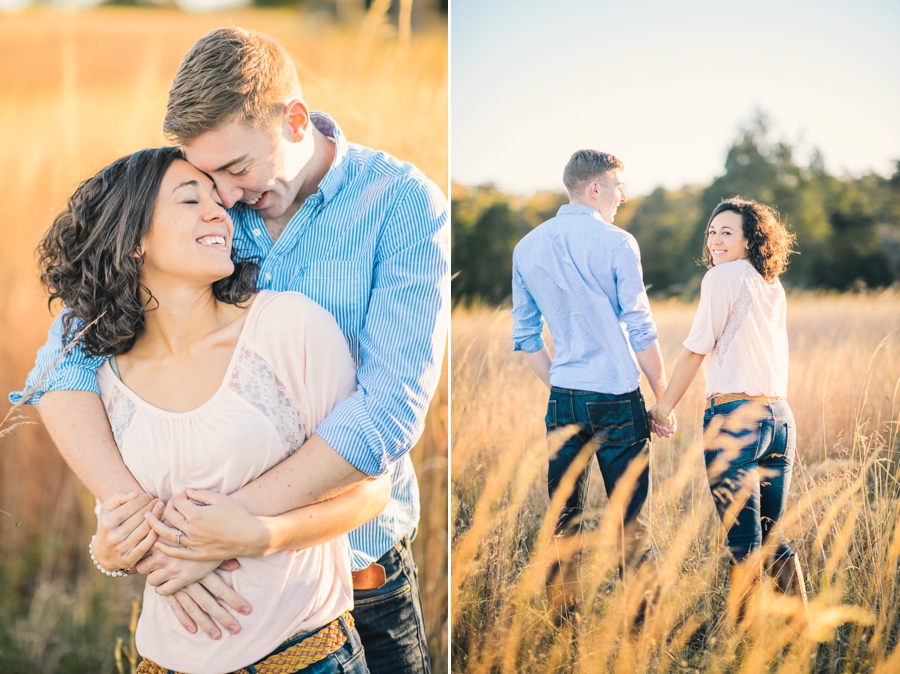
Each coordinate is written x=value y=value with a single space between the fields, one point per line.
x=213 y=527
x=196 y=605
x=191 y=588
x=661 y=423
x=123 y=535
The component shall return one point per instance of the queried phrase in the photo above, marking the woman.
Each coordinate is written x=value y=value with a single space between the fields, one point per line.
x=208 y=386
x=739 y=334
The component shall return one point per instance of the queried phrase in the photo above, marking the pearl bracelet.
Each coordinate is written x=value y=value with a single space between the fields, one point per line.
x=121 y=573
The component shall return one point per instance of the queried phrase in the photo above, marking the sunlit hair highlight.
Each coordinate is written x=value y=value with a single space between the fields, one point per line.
x=89 y=258
x=770 y=242
x=585 y=166
x=230 y=75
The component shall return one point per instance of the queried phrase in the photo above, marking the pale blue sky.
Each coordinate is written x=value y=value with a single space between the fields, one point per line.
x=664 y=85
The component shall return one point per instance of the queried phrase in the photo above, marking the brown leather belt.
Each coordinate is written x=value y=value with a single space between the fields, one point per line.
x=370 y=578
x=734 y=397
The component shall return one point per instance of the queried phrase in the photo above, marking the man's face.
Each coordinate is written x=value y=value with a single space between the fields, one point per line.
x=610 y=194
x=248 y=165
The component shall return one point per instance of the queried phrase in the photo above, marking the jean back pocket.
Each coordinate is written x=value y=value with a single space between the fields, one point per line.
x=612 y=422
x=550 y=420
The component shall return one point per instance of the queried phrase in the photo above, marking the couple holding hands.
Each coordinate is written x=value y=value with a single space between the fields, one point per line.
x=584 y=276
x=254 y=327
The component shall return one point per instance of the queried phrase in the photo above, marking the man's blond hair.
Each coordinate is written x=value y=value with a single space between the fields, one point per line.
x=586 y=166
x=229 y=75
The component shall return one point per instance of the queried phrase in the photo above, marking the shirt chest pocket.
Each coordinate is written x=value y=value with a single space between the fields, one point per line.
x=342 y=287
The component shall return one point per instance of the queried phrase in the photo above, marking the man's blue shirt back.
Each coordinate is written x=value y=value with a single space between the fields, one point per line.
x=372 y=247
x=584 y=276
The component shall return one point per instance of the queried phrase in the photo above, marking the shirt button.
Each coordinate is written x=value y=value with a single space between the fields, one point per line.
x=268 y=277
x=257 y=232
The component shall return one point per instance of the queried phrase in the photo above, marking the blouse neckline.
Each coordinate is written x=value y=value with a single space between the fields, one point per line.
x=117 y=380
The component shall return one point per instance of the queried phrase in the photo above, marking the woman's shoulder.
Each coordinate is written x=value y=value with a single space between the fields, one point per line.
x=301 y=342
x=749 y=275
x=286 y=317
x=734 y=269
x=730 y=276
x=289 y=308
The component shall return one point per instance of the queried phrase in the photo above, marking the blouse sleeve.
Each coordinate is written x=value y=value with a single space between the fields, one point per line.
x=309 y=355
x=716 y=300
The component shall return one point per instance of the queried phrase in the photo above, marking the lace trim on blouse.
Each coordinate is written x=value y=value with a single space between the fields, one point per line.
x=254 y=381
x=735 y=319
x=120 y=411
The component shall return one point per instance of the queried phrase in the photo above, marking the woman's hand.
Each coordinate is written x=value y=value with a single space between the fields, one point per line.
x=193 y=591
x=169 y=575
x=662 y=423
x=124 y=536
x=213 y=527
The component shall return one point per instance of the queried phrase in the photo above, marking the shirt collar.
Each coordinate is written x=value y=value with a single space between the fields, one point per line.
x=333 y=179
x=579 y=209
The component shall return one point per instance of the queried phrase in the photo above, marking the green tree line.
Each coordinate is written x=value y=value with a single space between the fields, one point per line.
x=847 y=228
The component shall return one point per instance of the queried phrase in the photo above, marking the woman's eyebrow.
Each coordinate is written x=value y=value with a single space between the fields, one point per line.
x=187 y=183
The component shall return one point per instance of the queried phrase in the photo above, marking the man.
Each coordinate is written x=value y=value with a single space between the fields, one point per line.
x=583 y=275
x=362 y=234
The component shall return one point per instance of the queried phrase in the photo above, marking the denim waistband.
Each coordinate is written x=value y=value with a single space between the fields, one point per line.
x=609 y=396
x=775 y=406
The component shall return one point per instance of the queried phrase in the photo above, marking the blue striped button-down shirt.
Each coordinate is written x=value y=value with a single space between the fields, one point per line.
x=372 y=247
x=584 y=276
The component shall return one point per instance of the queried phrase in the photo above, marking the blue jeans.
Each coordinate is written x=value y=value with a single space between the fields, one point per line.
x=749 y=450
x=390 y=620
x=618 y=424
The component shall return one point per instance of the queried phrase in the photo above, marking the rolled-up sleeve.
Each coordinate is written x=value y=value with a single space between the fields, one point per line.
x=634 y=305
x=402 y=342
x=527 y=320
x=59 y=369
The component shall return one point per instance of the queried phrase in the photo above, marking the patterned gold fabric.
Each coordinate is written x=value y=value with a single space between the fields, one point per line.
x=293 y=659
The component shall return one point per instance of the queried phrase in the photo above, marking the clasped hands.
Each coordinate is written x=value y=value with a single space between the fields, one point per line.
x=664 y=425
x=136 y=531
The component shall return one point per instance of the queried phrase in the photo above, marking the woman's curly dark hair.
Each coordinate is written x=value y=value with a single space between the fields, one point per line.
x=88 y=257
x=770 y=241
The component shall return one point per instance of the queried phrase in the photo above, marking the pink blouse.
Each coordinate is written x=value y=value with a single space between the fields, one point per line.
x=741 y=324
x=291 y=365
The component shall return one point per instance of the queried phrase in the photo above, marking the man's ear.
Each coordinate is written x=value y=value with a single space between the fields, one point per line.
x=296 y=120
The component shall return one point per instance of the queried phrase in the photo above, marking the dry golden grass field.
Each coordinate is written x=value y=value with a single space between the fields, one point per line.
x=843 y=518
x=78 y=90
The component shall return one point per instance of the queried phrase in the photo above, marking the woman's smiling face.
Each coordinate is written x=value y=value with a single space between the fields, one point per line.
x=725 y=238
x=190 y=235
